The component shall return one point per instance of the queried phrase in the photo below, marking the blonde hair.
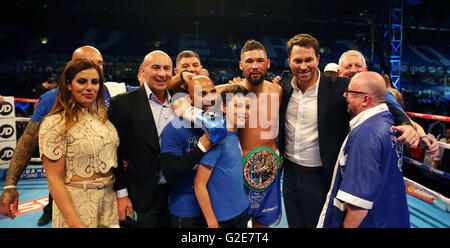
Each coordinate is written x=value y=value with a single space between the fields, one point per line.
x=352 y=53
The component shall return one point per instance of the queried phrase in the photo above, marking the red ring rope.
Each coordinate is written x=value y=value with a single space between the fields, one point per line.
x=428 y=116
x=412 y=114
x=26 y=100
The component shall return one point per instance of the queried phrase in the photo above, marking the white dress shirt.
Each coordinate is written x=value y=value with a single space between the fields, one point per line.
x=302 y=135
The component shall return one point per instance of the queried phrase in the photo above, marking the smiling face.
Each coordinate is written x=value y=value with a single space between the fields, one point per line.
x=202 y=92
x=350 y=65
x=304 y=63
x=192 y=64
x=84 y=87
x=237 y=111
x=157 y=71
x=254 y=64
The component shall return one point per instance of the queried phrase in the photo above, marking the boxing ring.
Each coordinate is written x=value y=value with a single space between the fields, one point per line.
x=428 y=208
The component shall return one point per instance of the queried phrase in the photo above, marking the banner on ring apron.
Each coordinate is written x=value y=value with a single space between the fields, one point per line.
x=7 y=133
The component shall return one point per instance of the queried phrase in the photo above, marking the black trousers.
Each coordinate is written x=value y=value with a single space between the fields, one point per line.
x=157 y=215
x=304 y=194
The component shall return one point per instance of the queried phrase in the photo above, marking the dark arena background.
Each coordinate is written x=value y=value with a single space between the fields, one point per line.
x=407 y=39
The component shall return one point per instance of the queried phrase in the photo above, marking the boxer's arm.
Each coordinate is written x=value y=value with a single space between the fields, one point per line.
x=220 y=88
x=276 y=80
x=177 y=81
x=19 y=161
x=23 y=152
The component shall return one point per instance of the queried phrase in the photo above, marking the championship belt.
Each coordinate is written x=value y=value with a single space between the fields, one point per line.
x=261 y=165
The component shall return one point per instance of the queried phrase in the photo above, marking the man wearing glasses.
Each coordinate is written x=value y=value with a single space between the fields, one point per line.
x=353 y=62
x=368 y=188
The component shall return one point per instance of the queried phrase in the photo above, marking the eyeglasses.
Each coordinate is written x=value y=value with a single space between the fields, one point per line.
x=347 y=91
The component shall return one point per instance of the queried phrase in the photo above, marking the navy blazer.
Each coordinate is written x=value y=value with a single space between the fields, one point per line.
x=333 y=119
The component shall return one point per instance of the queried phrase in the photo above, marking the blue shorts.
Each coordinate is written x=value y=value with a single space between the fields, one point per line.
x=265 y=206
x=262 y=173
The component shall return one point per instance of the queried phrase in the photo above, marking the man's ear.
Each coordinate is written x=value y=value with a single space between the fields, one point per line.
x=175 y=70
x=367 y=100
x=240 y=65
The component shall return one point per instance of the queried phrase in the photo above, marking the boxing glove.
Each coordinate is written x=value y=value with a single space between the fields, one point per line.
x=212 y=123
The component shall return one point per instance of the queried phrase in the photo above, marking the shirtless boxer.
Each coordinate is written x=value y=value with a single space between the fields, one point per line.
x=262 y=163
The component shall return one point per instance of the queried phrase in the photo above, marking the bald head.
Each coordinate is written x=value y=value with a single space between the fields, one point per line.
x=156 y=72
x=202 y=92
x=199 y=81
x=156 y=55
x=372 y=83
x=88 y=52
x=365 y=91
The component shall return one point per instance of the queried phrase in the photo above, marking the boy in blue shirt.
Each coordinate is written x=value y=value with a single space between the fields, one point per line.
x=219 y=185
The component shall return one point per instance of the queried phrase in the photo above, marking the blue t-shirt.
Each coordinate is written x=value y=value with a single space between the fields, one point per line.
x=47 y=100
x=226 y=184
x=369 y=176
x=179 y=139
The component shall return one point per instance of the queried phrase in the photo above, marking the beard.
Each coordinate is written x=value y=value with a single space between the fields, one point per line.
x=350 y=112
x=257 y=81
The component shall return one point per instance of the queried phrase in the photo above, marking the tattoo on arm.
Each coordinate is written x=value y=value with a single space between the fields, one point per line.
x=23 y=152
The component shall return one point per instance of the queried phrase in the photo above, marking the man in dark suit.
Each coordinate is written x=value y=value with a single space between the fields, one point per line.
x=313 y=124
x=139 y=117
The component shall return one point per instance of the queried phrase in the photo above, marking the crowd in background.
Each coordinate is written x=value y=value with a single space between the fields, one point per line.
x=20 y=79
